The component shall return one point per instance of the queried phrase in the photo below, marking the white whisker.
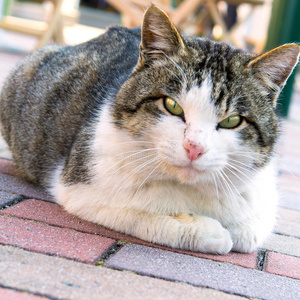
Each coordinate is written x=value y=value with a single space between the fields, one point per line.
x=230 y=184
x=177 y=66
x=132 y=173
x=217 y=189
x=159 y=163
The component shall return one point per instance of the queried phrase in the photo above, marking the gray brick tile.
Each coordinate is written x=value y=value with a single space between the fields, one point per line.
x=200 y=272
x=283 y=244
x=7 y=199
x=288 y=222
x=19 y=186
x=289 y=200
x=59 y=278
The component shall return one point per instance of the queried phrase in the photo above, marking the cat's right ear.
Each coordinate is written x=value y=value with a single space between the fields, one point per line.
x=274 y=67
x=159 y=35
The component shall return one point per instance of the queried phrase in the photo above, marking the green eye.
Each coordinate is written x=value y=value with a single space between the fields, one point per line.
x=173 y=107
x=231 y=122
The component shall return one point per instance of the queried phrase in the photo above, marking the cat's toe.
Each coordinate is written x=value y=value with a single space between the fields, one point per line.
x=219 y=243
x=246 y=242
x=245 y=245
x=205 y=234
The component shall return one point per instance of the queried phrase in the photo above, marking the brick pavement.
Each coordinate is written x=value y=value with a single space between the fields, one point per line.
x=45 y=253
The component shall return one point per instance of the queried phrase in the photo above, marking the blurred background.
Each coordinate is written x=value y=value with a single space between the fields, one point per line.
x=253 y=25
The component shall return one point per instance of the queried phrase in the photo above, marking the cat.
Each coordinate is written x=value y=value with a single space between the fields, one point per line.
x=165 y=137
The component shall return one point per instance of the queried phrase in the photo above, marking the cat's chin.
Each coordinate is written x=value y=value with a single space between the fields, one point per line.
x=190 y=175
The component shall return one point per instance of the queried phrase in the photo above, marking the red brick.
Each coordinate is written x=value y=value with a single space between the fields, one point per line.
x=7 y=167
x=7 y=294
x=47 y=239
x=284 y=265
x=54 y=214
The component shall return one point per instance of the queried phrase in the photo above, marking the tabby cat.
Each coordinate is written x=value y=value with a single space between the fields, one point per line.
x=165 y=137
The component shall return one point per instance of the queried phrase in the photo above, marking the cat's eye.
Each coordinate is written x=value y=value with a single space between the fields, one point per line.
x=231 y=122
x=173 y=107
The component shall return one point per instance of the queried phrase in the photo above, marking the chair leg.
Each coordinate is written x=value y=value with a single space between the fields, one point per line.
x=184 y=10
x=125 y=7
x=54 y=25
x=217 y=18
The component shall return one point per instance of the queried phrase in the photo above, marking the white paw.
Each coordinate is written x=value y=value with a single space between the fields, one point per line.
x=245 y=240
x=203 y=234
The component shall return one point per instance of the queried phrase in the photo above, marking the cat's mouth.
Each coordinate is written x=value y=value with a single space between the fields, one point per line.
x=190 y=168
x=189 y=174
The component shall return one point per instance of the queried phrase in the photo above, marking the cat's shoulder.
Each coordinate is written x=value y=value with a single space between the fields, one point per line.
x=115 y=37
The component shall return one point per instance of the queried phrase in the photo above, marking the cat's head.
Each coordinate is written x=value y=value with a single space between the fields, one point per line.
x=204 y=109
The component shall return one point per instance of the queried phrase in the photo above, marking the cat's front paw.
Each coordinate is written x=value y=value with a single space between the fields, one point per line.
x=203 y=234
x=245 y=239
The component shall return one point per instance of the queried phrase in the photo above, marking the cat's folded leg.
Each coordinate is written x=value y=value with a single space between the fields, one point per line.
x=183 y=231
x=249 y=231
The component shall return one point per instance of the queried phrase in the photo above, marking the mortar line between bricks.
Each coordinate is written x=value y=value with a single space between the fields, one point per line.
x=10 y=192
x=8 y=205
x=5 y=158
x=261 y=259
x=112 y=251
x=51 y=254
x=28 y=292
x=282 y=234
x=274 y=251
x=265 y=262
x=117 y=245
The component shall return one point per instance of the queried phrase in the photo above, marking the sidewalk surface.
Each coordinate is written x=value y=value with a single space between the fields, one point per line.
x=45 y=253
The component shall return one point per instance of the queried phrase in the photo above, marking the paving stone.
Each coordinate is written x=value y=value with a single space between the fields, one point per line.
x=288 y=222
x=205 y=273
x=53 y=214
x=64 y=279
x=291 y=164
x=7 y=294
x=8 y=199
x=289 y=200
x=7 y=167
x=19 y=186
x=285 y=214
x=246 y=260
x=289 y=182
x=282 y=244
x=288 y=228
x=63 y=242
x=284 y=265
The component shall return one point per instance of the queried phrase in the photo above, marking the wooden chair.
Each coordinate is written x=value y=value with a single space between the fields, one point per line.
x=51 y=29
x=132 y=11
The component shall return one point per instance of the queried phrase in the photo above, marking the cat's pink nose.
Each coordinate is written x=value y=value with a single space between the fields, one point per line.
x=193 y=150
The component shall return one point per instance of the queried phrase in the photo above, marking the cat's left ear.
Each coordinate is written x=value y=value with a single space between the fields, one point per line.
x=159 y=35
x=275 y=66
